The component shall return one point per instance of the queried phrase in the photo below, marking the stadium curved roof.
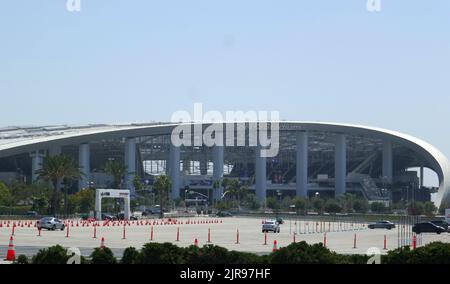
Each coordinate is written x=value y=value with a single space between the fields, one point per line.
x=17 y=140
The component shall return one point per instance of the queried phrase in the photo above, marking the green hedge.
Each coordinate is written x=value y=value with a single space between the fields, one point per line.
x=298 y=253
x=14 y=210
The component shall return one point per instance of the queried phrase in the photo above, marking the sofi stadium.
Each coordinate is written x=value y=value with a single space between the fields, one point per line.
x=313 y=158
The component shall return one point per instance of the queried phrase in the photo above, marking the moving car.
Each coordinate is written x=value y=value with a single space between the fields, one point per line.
x=271 y=226
x=224 y=214
x=427 y=227
x=280 y=220
x=50 y=223
x=442 y=224
x=382 y=225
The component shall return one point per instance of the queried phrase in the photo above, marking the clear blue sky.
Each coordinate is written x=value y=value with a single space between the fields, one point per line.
x=135 y=61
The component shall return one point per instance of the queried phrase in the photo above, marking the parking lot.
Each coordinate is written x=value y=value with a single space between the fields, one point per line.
x=237 y=233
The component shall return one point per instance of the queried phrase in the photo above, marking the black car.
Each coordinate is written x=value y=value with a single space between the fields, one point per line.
x=108 y=217
x=280 y=220
x=428 y=227
x=224 y=214
x=442 y=224
x=382 y=225
x=32 y=213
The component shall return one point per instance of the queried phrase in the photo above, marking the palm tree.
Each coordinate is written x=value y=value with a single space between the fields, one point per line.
x=162 y=186
x=225 y=184
x=56 y=169
x=216 y=187
x=117 y=170
x=234 y=189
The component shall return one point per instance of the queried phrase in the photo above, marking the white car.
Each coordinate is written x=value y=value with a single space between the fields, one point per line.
x=271 y=226
x=50 y=223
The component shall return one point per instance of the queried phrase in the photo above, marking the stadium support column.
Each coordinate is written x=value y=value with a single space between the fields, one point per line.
x=340 y=165
x=174 y=170
x=302 y=164
x=130 y=163
x=261 y=177
x=387 y=161
x=218 y=156
x=84 y=162
x=37 y=160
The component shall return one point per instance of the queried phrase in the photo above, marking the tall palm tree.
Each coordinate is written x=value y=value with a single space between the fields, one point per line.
x=162 y=186
x=117 y=170
x=56 y=169
x=216 y=187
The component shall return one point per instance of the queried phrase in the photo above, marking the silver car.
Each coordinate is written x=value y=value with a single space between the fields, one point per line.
x=271 y=226
x=50 y=223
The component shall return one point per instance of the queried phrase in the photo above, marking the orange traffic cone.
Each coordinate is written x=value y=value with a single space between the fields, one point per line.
x=196 y=243
x=275 y=246
x=11 y=255
x=102 y=244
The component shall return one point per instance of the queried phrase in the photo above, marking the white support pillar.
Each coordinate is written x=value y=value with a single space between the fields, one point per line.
x=261 y=177
x=174 y=170
x=340 y=166
x=130 y=163
x=37 y=159
x=387 y=161
x=218 y=160
x=302 y=164
x=84 y=162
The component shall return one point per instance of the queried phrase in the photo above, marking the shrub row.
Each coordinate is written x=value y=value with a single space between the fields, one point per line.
x=298 y=253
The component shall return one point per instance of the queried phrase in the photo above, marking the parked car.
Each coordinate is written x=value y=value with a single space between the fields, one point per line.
x=121 y=216
x=442 y=224
x=50 y=223
x=280 y=220
x=108 y=217
x=32 y=213
x=382 y=225
x=271 y=226
x=152 y=211
x=427 y=227
x=223 y=214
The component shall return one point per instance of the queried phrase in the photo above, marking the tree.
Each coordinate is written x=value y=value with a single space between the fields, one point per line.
x=332 y=206
x=378 y=207
x=430 y=209
x=272 y=203
x=216 y=190
x=251 y=202
x=318 y=204
x=137 y=183
x=82 y=201
x=347 y=201
x=416 y=208
x=162 y=187
x=117 y=170
x=56 y=169
x=301 y=204
x=286 y=203
x=5 y=195
x=360 y=206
